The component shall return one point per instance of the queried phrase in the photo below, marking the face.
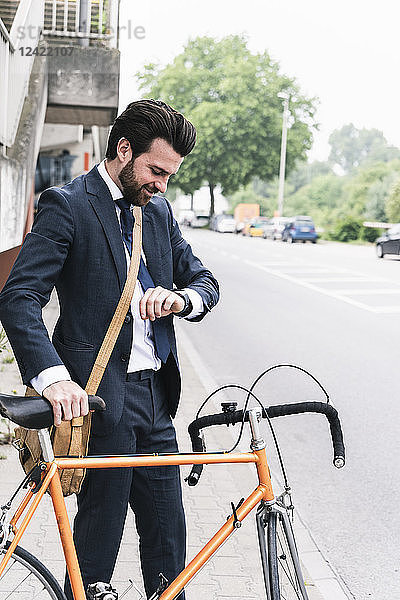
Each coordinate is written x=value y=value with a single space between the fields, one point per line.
x=149 y=173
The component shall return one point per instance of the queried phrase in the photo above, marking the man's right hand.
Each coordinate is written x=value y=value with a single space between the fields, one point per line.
x=68 y=400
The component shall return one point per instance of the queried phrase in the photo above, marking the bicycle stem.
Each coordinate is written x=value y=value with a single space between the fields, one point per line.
x=257 y=441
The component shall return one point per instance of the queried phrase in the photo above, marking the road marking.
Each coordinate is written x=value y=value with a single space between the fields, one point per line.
x=279 y=263
x=339 y=276
x=350 y=279
x=315 y=288
x=367 y=292
x=305 y=269
x=387 y=309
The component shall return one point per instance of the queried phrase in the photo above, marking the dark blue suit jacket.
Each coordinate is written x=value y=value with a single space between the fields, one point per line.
x=76 y=246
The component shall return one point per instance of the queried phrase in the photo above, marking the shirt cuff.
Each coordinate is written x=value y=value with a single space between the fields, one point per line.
x=50 y=376
x=197 y=303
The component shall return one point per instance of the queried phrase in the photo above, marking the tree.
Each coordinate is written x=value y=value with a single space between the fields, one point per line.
x=321 y=198
x=352 y=147
x=357 y=190
x=305 y=172
x=393 y=203
x=231 y=96
x=378 y=196
x=248 y=195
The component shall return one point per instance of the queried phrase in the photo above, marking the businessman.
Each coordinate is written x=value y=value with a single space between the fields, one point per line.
x=81 y=245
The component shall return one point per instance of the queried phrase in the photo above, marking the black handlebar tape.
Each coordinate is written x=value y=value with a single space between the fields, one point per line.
x=198 y=445
x=194 y=475
x=230 y=418
x=322 y=408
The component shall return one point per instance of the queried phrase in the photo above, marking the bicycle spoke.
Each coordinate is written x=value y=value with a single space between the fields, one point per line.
x=20 y=583
x=289 y=583
x=25 y=578
x=287 y=566
x=10 y=565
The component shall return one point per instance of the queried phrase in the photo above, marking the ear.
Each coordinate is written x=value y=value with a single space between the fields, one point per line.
x=124 y=150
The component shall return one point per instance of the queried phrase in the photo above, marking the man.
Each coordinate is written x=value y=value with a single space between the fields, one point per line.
x=80 y=244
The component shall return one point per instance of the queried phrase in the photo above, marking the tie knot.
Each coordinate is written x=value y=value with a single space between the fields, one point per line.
x=123 y=203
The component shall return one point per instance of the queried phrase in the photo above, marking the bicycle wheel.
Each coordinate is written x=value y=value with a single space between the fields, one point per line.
x=282 y=573
x=26 y=578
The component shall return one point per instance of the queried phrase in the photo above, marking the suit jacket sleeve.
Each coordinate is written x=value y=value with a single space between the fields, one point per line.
x=31 y=282
x=189 y=272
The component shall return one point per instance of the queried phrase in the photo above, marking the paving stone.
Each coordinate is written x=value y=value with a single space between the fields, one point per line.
x=241 y=586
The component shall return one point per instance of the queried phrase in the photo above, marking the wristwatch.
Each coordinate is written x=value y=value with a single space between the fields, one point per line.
x=188 y=307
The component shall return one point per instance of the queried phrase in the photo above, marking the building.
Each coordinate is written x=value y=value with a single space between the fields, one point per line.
x=59 y=61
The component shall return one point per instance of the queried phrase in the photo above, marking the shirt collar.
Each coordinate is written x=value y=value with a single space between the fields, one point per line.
x=112 y=186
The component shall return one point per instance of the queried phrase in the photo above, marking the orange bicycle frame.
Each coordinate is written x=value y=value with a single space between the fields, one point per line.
x=51 y=480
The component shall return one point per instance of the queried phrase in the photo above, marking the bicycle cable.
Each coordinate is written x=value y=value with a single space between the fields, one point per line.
x=290 y=366
x=265 y=412
x=250 y=394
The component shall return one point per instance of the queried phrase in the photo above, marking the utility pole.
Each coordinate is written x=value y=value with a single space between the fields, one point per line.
x=282 y=167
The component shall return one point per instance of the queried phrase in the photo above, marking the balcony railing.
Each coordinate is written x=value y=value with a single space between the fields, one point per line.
x=87 y=20
x=17 y=65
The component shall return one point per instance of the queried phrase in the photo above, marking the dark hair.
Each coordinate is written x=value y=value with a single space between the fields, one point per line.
x=145 y=120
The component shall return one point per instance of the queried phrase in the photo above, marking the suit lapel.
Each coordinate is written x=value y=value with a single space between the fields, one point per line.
x=149 y=242
x=101 y=200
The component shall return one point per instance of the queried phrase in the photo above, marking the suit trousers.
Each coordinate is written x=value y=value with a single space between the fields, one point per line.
x=153 y=493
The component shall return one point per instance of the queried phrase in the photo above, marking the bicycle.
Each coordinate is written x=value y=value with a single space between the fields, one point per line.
x=22 y=575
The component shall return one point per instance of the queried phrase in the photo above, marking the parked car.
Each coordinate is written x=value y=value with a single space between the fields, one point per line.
x=389 y=242
x=255 y=227
x=223 y=223
x=299 y=228
x=226 y=224
x=274 y=227
x=199 y=221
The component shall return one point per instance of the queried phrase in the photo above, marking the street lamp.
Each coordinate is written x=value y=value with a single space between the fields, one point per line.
x=286 y=97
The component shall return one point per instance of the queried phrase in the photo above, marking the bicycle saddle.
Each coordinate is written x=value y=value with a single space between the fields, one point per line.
x=35 y=412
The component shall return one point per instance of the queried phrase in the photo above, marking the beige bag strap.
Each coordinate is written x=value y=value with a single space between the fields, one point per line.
x=119 y=315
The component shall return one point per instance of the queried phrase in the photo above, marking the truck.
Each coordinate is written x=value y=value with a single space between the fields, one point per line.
x=243 y=212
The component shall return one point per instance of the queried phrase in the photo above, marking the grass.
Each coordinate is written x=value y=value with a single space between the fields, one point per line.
x=8 y=360
x=3 y=340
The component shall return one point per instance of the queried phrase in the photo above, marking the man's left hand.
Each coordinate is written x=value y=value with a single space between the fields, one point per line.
x=159 y=302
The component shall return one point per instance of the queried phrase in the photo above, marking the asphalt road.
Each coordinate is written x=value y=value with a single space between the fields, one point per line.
x=333 y=309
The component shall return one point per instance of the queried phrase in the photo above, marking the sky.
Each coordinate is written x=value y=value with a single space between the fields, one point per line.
x=346 y=53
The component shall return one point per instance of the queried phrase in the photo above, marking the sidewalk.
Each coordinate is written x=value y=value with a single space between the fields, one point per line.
x=235 y=572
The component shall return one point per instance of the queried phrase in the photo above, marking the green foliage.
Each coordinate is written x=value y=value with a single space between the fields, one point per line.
x=393 y=203
x=304 y=173
x=369 y=234
x=320 y=199
x=340 y=203
x=352 y=147
x=3 y=340
x=377 y=197
x=346 y=230
x=8 y=360
x=231 y=96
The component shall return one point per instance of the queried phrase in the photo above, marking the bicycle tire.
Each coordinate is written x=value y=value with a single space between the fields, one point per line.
x=26 y=578
x=281 y=566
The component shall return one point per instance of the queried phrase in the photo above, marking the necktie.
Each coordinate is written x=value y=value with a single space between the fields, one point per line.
x=160 y=333
x=127 y=222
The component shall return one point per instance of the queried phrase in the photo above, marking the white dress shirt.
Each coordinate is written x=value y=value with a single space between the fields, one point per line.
x=143 y=352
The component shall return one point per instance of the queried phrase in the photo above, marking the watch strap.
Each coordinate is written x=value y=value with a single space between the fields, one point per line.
x=188 y=307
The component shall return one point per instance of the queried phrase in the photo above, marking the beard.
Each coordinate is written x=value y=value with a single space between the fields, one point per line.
x=138 y=195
